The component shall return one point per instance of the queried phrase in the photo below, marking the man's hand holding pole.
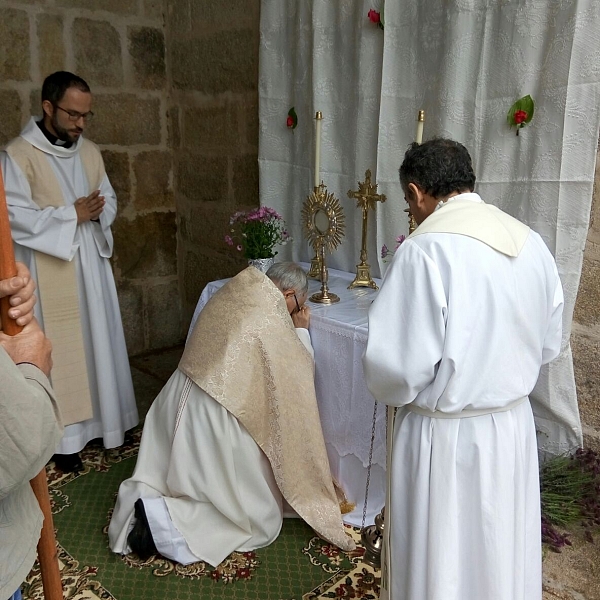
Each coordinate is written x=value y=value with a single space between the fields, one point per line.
x=36 y=348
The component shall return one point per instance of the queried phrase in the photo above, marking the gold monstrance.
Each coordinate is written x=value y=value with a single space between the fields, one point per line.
x=366 y=198
x=323 y=221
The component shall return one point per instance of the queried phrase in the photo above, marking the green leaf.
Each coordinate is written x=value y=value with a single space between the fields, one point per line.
x=526 y=104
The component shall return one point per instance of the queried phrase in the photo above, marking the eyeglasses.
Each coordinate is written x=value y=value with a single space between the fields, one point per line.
x=297 y=305
x=75 y=116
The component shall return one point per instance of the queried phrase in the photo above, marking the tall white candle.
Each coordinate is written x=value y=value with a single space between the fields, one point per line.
x=420 y=123
x=318 y=119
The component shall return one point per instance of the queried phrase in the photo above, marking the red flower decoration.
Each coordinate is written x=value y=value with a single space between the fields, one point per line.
x=520 y=116
x=374 y=17
x=292 y=119
x=521 y=113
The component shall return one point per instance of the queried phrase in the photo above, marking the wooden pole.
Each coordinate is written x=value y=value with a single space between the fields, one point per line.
x=46 y=549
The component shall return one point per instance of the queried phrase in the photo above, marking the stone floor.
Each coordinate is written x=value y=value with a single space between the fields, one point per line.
x=573 y=574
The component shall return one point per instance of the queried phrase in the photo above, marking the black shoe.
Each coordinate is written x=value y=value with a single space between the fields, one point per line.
x=140 y=538
x=68 y=463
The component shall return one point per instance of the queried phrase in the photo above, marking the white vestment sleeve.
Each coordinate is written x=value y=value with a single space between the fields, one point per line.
x=407 y=324
x=49 y=230
x=304 y=336
x=553 y=337
x=101 y=231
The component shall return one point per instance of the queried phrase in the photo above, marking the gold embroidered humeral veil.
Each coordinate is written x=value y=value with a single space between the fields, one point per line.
x=244 y=352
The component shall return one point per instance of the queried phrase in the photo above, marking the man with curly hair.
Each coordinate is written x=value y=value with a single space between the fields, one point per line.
x=469 y=310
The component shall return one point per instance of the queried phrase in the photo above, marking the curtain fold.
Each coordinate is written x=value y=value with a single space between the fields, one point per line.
x=464 y=62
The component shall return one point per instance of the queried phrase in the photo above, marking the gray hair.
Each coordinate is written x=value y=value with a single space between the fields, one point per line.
x=289 y=276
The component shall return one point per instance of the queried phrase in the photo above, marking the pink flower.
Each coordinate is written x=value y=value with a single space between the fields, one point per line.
x=374 y=16
x=228 y=240
x=384 y=251
x=520 y=116
x=399 y=240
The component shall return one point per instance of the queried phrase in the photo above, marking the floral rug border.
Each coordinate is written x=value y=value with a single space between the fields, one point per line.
x=350 y=577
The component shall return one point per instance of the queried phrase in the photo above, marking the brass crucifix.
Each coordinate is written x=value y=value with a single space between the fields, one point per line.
x=366 y=198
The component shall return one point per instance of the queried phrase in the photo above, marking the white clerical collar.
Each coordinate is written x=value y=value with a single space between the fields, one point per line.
x=470 y=196
x=33 y=134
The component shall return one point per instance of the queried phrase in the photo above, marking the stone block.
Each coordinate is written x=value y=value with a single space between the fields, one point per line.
x=586 y=358
x=97 y=47
x=178 y=18
x=201 y=267
x=125 y=119
x=50 y=42
x=117 y=169
x=216 y=63
x=226 y=13
x=10 y=109
x=14 y=45
x=35 y=102
x=245 y=181
x=211 y=130
x=132 y=313
x=173 y=128
x=122 y=7
x=164 y=315
x=587 y=305
x=159 y=364
x=146 y=246
x=251 y=122
x=206 y=225
x=594 y=231
x=202 y=179
x=591 y=439
x=147 y=50
x=193 y=281
x=155 y=9
x=153 y=172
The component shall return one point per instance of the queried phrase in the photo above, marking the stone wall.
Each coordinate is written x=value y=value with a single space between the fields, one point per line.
x=585 y=337
x=213 y=67
x=118 y=47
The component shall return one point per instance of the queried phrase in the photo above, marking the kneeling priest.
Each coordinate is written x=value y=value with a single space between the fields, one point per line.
x=233 y=433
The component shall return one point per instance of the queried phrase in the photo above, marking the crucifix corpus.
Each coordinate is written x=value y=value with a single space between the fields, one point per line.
x=366 y=198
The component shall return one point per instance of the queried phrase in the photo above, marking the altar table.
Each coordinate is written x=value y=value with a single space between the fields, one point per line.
x=339 y=337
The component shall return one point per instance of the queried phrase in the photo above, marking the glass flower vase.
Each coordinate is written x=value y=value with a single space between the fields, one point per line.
x=262 y=264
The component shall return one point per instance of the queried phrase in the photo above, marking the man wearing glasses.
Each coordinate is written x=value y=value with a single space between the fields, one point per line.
x=233 y=433
x=61 y=206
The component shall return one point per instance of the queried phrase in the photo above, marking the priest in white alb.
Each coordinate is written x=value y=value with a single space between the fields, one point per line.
x=469 y=310
x=234 y=434
x=61 y=207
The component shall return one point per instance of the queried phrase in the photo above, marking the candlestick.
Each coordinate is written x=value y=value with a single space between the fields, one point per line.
x=420 y=123
x=318 y=119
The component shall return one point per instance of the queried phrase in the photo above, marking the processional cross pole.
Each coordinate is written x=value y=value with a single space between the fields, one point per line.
x=366 y=199
x=46 y=549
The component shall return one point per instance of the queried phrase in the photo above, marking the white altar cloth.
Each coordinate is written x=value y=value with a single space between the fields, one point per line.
x=339 y=337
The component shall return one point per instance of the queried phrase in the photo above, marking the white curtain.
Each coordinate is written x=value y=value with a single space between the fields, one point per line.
x=464 y=62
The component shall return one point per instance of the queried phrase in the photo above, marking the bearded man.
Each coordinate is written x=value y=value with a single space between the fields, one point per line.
x=61 y=206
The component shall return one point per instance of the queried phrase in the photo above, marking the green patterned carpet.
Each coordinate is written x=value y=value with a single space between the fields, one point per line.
x=297 y=565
